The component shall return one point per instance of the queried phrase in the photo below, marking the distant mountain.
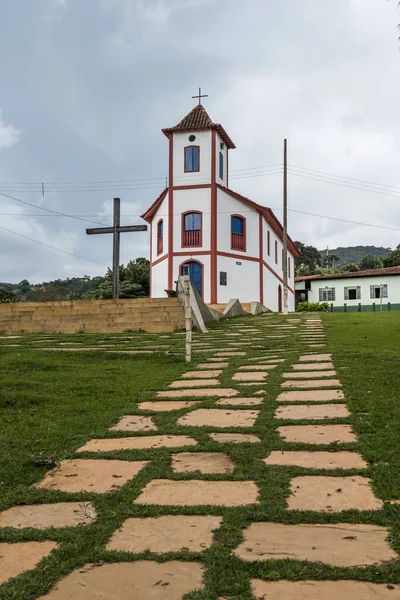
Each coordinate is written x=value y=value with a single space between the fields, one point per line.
x=354 y=254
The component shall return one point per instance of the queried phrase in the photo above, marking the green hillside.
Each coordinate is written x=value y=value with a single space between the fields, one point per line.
x=354 y=254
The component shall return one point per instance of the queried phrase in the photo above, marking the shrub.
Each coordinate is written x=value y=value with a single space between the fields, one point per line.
x=312 y=306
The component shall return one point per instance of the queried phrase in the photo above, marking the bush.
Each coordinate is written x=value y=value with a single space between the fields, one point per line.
x=312 y=306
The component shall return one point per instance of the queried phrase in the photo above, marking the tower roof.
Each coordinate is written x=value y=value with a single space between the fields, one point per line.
x=197 y=120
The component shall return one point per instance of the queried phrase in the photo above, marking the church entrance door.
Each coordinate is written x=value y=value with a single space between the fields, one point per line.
x=195 y=272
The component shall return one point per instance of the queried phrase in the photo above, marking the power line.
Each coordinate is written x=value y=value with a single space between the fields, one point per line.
x=342 y=220
x=346 y=185
x=52 y=247
x=346 y=178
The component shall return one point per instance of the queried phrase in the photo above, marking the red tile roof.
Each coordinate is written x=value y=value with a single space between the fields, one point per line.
x=148 y=215
x=368 y=273
x=198 y=120
x=269 y=216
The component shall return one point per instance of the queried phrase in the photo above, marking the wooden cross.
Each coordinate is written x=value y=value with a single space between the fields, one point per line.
x=200 y=96
x=116 y=229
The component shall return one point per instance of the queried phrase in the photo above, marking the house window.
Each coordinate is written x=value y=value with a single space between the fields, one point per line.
x=223 y=278
x=192 y=159
x=160 y=236
x=191 y=229
x=268 y=243
x=288 y=267
x=276 y=252
x=379 y=291
x=221 y=165
x=327 y=294
x=238 y=233
x=352 y=293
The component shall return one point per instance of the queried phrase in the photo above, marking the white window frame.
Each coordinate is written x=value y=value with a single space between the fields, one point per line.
x=383 y=287
x=327 y=294
x=357 y=288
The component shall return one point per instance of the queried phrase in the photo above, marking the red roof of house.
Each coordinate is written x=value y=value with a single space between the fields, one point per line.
x=368 y=273
x=269 y=216
x=197 y=120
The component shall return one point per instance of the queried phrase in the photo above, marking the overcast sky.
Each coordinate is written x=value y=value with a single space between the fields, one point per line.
x=87 y=85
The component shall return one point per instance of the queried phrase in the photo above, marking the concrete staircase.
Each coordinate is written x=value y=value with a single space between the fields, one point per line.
x=154 y=315
x=221 y=307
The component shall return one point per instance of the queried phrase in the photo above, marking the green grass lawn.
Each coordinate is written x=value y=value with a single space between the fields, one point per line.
x=52 y=403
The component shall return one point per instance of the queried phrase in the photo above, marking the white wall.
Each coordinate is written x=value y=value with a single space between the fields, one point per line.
x=226 y=206
x=205 y=260
x=243 y=280
x=195 y=199
x=159 y=279
x=393 y=283
x=161 y=213
x=180 y=141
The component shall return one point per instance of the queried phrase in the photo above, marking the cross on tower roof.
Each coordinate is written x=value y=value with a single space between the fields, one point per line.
x=200 y=96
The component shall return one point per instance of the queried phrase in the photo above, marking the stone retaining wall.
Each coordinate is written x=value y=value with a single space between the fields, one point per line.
x=154 y=315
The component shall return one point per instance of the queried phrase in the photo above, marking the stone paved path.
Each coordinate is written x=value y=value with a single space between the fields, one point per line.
x=311 y=394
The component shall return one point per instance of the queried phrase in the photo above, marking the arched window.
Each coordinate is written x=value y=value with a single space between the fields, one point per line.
x=191 y=229
x=288 y=267
x=268 y=243
x=160 y=236
x=238 y=233
x=221 y=165
x=276 y=252
x=192 y=159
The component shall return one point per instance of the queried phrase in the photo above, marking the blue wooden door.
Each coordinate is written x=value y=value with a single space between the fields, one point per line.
x=195 y=272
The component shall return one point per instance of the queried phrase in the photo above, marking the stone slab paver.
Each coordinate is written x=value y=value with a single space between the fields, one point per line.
x=257 y=368
x=137 y=443
x=311 y=396
x=332 y=494
x=250 y=376
x=165 y=492
x=234 y=438
x=311 y=384
x=308 y=374
x=216 y=417
x=315 y=412
x=22 y=556
x=98 y=476
x=134 y=423
x=317 y=460
x=313 y=366
x=213 y=365
x=323 y=590
x=239 y=401
x=317 y=434
x=202 y=462
x=206 y=393
x=42 y=516
x=166 y=406
x=340 y=545
x=223 y=354
x=170 y=580
x=171 y=533
x=201 y=374
x=193 y=383
x=315 y=357
x=317 y=345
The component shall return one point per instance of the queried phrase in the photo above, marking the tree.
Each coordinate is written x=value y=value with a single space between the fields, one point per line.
x=309 y=260
x=350 y=268
x=331 y=260
x=7 y=295
x=370 y=262
x=393 y=259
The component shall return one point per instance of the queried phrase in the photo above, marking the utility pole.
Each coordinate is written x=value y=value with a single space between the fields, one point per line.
x=285 y=236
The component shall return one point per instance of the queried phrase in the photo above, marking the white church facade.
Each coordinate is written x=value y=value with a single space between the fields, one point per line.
x=229 y=245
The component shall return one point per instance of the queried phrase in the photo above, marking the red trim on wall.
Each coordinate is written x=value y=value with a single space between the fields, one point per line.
x=261 y=246
x=153 y=264
x=170 y=210
x=239 y=256
x=276 y=275
x=192 y=187
x=279 y=298
x=227 y=167
x=269 y=242
x=195 y=253
x=183 y=231
x=151 y=260
x=160 y=239
x=184 y=159
x=276 y=252
x=244 y=234
x=202 y=268
x=213 y=241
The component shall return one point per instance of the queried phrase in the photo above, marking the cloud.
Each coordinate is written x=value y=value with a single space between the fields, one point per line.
x=9 y=135
x=55 y=10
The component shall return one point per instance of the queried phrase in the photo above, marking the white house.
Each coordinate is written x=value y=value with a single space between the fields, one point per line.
x=359 y=291
x=229 y=245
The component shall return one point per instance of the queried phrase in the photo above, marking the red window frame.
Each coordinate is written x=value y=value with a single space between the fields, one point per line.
x=192 y=238
x=289 y=266
x=184 y=159
x=276 y=252
x=238 y=240
x=160 y=238
x=269 y=243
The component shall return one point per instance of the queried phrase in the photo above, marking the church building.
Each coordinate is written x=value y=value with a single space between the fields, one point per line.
x=229 y=245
